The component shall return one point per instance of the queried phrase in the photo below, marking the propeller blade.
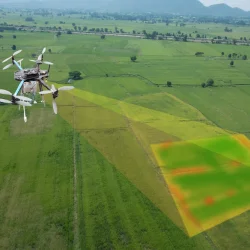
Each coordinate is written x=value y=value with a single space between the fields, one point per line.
x=26 y=104
x=24 y=98
x=48 y=63
x=6 y=59
x=20 y=60
x=39 y=58
x=53 y=88
x=17 y=52
x=44 y=49
x=54 y=106
x=5 y=101
x=5 y=92
x=7 y=66
x=45 y=92
x=33 y=61
x=66 y=88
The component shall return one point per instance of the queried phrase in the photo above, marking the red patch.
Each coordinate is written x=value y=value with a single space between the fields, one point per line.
x=209 y=201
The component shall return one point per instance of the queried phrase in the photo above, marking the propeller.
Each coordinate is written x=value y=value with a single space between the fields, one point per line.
x=5 y=92
x=40 y=57
x=54 y=93
x=24 y=98
x=5 y=101
x=14 y=54
x=48 y=63
x=54 y=106
x=23 y=103
x=40 y=62
x=20 y=98
x=7 y=66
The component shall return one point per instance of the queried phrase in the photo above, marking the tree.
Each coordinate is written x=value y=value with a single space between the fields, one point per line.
x=230 y=56
x=210 y=82
x=75 y=75
x=14 y=36
x=232 y=63
x=69 y=32
x=13 y=47
x=244 y=57
x=49 y=50
x=46 y=22
x=58 y=33
x=169 y=84
x=199 y=53
x=203 y=85
x=133 y=58
x=222 y=53
x=29 y=19
x=85 y=28
x=103 y=36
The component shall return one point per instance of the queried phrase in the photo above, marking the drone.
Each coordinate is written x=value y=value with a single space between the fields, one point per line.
x=29 y=79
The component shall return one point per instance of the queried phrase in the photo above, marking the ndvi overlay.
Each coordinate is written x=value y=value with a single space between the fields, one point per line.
x=208 y=179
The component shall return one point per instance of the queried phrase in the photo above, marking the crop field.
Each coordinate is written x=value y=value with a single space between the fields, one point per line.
x=88 y=178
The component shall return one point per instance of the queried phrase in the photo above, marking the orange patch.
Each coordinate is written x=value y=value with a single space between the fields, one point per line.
x=209 y=201
x=235 y=164
x=231 y=193
x=178 y=194
x=243 y=140
x=166 y=145
x=185 y=171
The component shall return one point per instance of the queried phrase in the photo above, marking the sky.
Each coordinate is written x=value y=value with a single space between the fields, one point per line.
x=243 y=4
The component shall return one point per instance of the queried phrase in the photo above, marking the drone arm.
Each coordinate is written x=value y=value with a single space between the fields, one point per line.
x=19 y=88
x=16 y=63
x=44 y=84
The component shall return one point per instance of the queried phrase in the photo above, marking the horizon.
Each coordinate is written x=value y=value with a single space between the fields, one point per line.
x=242 y=4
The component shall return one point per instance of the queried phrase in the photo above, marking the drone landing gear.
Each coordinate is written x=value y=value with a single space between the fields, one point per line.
x=16 y=100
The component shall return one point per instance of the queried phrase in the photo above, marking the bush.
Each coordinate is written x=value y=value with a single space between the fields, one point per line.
x=199 y=53
x=203 y=85
x=133 y=58
x=169 y=84
x=29 y=19
x=244 y=57
x=232 y=63
x=210 y=82
x=75 y=75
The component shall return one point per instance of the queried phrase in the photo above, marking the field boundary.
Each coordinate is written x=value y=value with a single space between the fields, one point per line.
x=149 y=82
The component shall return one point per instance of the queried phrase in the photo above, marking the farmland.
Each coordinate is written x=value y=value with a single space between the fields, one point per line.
x=106 y=128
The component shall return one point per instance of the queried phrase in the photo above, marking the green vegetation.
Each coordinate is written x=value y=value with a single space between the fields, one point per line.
x=117 y=206
x=75 y=75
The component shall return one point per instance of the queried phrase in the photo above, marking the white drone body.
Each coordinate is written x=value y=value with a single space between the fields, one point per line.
x=30 y=79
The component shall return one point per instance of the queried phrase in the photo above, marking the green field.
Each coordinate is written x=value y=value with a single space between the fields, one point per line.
x=121 y=197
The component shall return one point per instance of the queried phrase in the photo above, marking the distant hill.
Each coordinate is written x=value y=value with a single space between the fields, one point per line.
x=157 y=6
x=177 y=7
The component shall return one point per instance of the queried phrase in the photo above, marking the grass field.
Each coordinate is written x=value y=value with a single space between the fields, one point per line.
x=122 y=199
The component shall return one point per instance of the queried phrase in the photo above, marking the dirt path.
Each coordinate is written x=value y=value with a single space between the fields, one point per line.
x=76 y=221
